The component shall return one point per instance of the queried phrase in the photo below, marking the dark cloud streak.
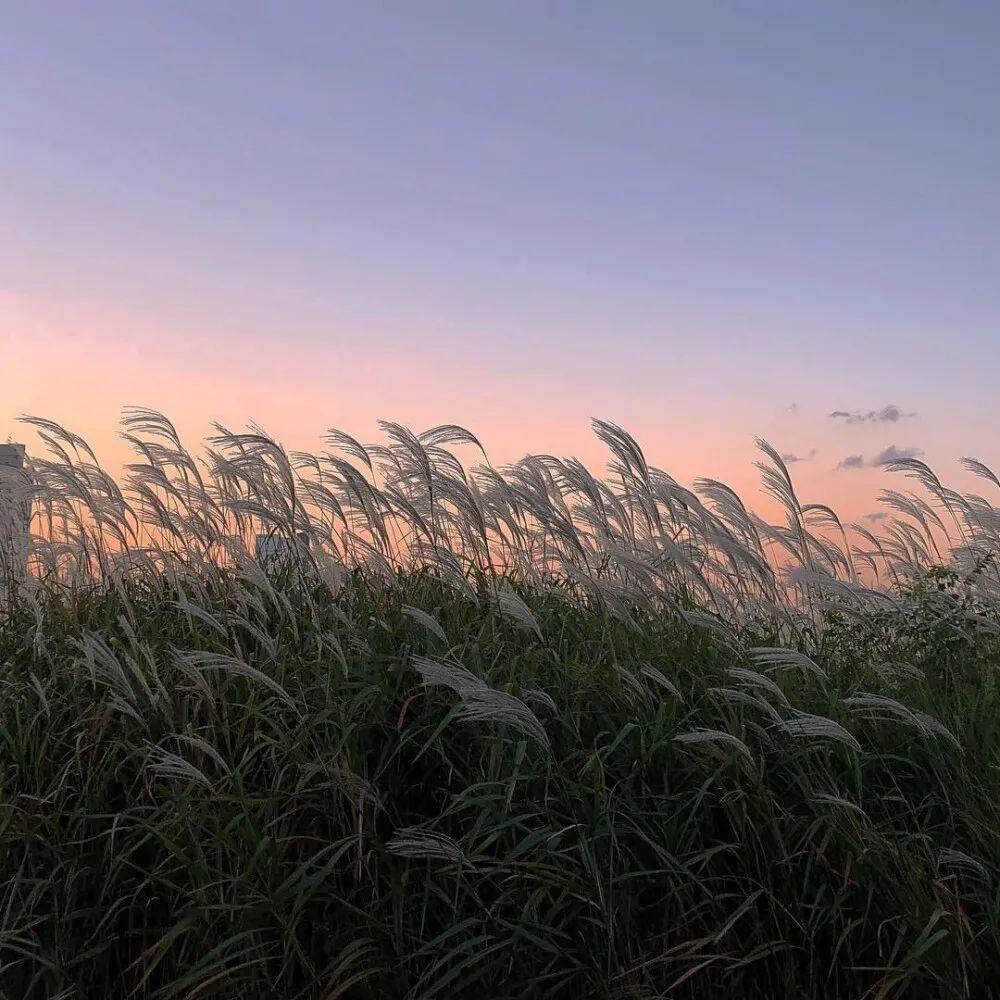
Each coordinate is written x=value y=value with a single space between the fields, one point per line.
x=885 y=457
x=790 y=458
x=894 y=454
x=890 y=414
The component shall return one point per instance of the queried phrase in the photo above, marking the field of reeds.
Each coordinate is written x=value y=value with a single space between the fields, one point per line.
x=389 y=721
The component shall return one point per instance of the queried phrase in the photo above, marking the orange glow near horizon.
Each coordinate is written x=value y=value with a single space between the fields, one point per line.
x=80 y=365
x=514 y=222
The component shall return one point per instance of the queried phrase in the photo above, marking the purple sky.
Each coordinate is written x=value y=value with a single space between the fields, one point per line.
x=685 y=217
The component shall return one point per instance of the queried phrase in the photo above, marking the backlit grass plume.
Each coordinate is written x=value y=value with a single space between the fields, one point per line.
x=391 y=721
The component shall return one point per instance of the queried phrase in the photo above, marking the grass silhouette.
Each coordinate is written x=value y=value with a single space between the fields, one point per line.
x=491 y=732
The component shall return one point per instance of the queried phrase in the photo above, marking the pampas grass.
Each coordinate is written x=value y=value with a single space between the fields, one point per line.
x=480 y=731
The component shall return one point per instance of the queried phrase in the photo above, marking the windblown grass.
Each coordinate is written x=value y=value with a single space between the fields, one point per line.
x=519 y=732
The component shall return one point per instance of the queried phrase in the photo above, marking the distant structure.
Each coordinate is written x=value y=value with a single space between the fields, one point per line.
x=15 y=513
x=12 y=456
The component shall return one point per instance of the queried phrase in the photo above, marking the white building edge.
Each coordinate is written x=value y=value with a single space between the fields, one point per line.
x=15 y=513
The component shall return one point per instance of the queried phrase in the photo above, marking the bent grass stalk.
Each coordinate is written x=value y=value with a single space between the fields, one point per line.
x=479 y=731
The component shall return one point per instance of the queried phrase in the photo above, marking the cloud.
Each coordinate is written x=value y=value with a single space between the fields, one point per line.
x=894 y=454
x=890 y=414
x=879 y=515
x=790 y=458
x=884 y=457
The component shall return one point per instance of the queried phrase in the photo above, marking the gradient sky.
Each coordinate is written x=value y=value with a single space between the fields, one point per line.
x=516 y=216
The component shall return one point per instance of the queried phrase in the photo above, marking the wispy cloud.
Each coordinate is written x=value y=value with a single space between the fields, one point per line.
x=890 y=414
x=790 y=458
x=879 y=515
x=884 y=457
x=894 y=454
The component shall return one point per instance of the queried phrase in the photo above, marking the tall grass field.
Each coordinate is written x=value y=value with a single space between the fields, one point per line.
x=390 y=721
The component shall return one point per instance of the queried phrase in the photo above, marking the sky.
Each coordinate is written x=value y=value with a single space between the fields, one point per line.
x=705 y=221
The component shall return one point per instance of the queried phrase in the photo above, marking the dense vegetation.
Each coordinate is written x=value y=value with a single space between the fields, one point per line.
x=417 y=775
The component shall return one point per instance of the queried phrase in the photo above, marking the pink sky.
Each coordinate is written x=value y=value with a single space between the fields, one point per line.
x=514 y=218
x=79 y=364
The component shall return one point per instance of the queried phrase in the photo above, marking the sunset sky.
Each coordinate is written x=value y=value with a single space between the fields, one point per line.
x=705 y=221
